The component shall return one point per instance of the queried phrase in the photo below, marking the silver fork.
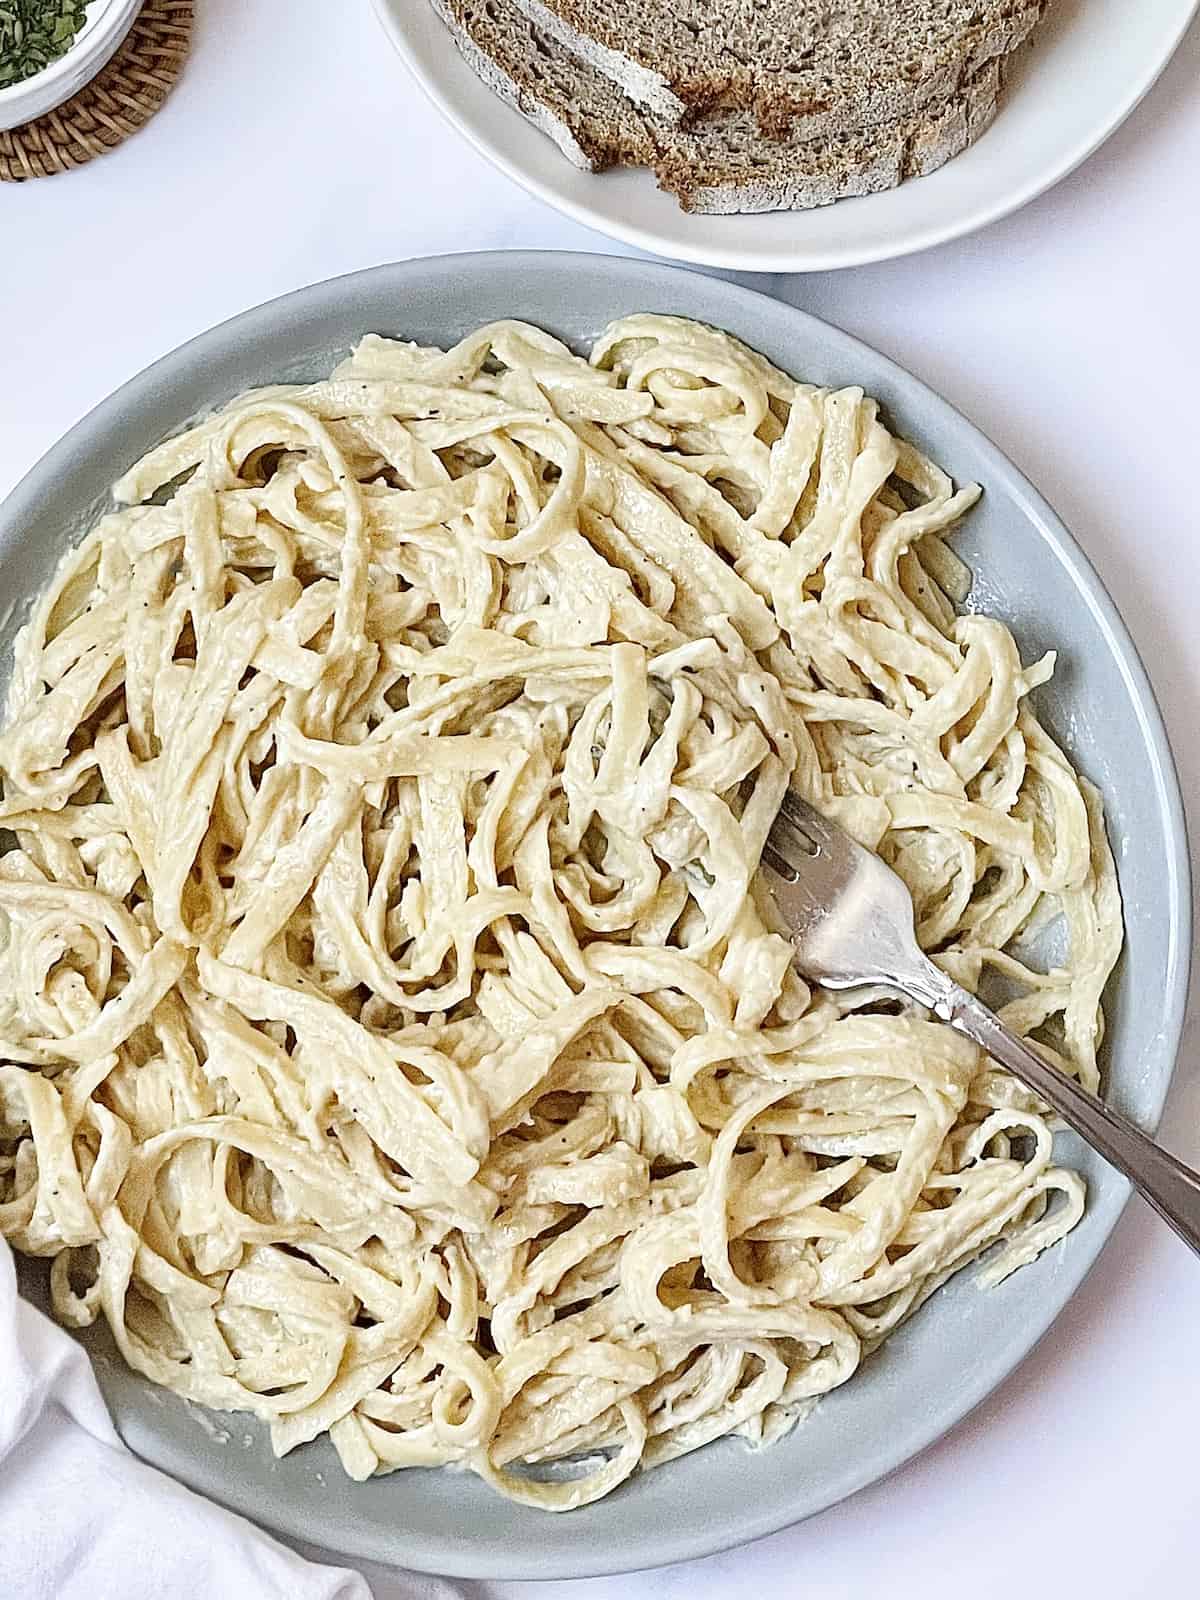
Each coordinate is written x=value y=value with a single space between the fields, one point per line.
x=852 y=924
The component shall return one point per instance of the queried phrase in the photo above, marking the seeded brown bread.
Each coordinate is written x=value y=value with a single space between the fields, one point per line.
x=721 y=164
x=829 y=68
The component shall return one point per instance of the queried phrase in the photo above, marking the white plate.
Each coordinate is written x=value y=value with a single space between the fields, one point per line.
x=1089 y=65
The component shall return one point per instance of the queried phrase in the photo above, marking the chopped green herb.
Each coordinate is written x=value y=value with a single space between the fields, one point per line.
x=33 y=33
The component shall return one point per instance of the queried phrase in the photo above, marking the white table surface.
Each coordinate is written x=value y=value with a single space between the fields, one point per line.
x=295 y=148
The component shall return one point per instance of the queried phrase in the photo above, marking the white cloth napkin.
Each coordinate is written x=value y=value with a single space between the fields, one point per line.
x=81 y=1518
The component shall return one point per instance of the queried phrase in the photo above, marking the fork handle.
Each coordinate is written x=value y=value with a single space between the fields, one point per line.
x=1172 y=1188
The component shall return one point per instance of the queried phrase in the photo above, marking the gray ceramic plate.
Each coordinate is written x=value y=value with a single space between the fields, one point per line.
x=1028 y=571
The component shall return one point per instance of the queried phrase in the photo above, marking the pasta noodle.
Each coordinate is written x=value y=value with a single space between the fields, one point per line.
x=397 y=1039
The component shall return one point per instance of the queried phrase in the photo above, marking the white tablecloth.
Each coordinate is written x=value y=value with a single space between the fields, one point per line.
x=82 y=1519
x=1071 y=334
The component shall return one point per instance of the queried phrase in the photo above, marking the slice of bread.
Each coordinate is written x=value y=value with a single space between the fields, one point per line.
x=741 y=172
x=590 y=120
x=802 y=66
x=720 y=164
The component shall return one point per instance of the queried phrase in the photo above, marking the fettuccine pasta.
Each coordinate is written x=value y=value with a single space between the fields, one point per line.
x=397 y=1038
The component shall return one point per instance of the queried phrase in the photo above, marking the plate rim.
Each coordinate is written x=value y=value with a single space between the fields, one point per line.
x=437 y=1553
x=765 y=259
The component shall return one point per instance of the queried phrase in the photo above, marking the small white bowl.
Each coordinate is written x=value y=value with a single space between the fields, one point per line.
x=104 y=28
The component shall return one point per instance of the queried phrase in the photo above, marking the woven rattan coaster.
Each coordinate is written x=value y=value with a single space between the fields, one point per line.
x=123 y=96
